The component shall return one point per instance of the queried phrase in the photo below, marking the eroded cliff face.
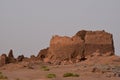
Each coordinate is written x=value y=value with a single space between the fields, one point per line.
x=76 y=48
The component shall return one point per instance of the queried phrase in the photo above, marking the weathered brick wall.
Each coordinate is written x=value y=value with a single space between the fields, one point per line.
x=82 y=44
x=98 y=41
x=65 y=48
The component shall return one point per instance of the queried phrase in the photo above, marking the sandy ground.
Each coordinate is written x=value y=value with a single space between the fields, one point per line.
x=92 y=69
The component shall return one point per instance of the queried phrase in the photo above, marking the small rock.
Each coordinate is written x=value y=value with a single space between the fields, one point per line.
x=117 y=74
x=20 y=58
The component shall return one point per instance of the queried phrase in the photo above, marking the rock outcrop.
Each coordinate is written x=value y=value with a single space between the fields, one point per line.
x=42 y=54
x=20 y=58
x=3 y=59
x=11 y=58
x=10 y=54
x=66 y=50
x=76 y=48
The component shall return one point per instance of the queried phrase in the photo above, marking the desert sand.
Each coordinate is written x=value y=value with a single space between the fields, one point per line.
x=96 y=68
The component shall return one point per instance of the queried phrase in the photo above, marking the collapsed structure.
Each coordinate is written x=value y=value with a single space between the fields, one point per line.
x=74 y=49
x=71 y=49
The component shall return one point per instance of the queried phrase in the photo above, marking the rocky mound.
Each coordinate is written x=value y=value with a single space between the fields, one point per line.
x=4 y=59
x=65 y=49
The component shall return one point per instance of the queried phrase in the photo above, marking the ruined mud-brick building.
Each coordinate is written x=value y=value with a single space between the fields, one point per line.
x=76 y=48
x=97 y=41
x=65 y=50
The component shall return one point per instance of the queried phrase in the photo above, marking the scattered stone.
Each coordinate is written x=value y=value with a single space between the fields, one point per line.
x=32 y=57
x=96 y=53
x=95 y=69
x=20 y=58
x=108 y=54
x=111 y=74
x=117 y=74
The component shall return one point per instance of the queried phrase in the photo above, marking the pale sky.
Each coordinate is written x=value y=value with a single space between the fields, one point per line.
x=26 y=26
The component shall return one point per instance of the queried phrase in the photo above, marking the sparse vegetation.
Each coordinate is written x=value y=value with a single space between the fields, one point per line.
x=0 y=72
x=17 y=78
x=45 y=68
x=3 y=77
x=51 y=76
x=70 y=75
x=117 y=67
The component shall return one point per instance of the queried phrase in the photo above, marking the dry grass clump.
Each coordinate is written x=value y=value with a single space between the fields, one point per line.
x=2 y=77
x=45 y=68
x=70 y=75
x=51 y=76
